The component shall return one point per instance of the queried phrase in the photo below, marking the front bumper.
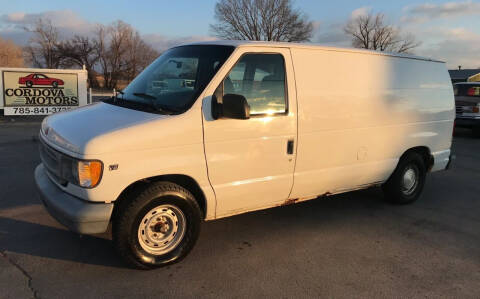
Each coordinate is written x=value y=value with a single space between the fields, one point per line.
x=76 y=214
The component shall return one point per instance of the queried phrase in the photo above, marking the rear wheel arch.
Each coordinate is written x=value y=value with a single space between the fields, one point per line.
x=423 y=151
x=406 y=183
x=184 y=181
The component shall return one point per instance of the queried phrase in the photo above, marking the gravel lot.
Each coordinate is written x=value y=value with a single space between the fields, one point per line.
x=349 y=245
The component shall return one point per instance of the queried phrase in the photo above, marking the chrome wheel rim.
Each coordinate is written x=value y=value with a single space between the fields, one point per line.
x=161 y=229
x=409 y=180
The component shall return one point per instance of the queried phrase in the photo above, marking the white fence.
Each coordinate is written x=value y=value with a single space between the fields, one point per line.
x=94 y=95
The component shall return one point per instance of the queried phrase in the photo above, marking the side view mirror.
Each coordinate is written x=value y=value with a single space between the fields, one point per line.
x=235 y=106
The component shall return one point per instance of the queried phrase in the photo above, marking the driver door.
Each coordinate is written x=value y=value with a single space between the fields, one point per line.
x=251 y=161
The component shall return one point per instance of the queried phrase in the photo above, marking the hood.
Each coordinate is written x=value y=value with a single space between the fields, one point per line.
x=90 y=129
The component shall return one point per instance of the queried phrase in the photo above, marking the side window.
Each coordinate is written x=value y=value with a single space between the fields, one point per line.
x=260 y=78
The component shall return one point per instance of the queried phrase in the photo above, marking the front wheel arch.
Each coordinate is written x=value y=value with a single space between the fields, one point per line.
x=184 y=181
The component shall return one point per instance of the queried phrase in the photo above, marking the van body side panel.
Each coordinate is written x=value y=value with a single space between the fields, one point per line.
x=358 y=113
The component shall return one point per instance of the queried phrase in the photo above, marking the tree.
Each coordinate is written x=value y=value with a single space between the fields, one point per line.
x=138 y=56
x=11 y=55
x=269 y=20
x=122 y=54
x=371 y=32
x=111 y=48
x=79 y=51
x=116 y=50
x=41 y=49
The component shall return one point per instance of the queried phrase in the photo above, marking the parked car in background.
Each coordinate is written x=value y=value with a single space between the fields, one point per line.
x=39 y=79
x=258 y=125
x=467 y=105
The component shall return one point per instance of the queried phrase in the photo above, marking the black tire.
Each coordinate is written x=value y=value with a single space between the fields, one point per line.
x=54 y=84
x=131 y=211
x=395 y=190
x=29 y=83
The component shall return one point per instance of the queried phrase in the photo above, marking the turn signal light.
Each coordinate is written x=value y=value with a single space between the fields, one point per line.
x=89 y=173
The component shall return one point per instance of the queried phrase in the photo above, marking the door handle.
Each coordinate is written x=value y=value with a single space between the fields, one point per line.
x=290 y=147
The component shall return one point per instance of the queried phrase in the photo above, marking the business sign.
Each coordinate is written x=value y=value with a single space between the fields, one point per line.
x=40 y=92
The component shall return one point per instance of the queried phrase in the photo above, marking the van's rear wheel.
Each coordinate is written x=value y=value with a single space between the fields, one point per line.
x=159 y=226
x=406 y=183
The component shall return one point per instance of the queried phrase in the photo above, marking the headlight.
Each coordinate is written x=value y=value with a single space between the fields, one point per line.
x=84 y=173
x=54 y=137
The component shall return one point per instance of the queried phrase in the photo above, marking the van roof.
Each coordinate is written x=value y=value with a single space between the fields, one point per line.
x=244 y=43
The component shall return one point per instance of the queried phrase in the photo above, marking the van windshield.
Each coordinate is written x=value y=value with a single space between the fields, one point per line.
x=175 y=79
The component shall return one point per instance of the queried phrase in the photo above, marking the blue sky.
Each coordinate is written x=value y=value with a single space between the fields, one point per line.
x=185 y=17
x=448 y=30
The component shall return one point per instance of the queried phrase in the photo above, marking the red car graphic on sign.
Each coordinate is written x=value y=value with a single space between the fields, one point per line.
x=39 y=79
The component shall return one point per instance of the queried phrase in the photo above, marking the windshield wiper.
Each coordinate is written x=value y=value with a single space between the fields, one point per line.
x=160 y=108
x=144 y=95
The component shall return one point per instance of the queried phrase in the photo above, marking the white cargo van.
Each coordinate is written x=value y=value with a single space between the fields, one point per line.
x=216 y=129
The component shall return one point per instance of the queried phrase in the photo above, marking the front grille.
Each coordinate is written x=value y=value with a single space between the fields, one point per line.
x=52 y=161
x=459 y=109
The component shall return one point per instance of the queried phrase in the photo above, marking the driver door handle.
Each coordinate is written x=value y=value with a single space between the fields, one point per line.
x=290 y=147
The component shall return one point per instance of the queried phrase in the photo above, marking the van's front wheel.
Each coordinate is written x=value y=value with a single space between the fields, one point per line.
x=406 y=183
x=157 y=227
